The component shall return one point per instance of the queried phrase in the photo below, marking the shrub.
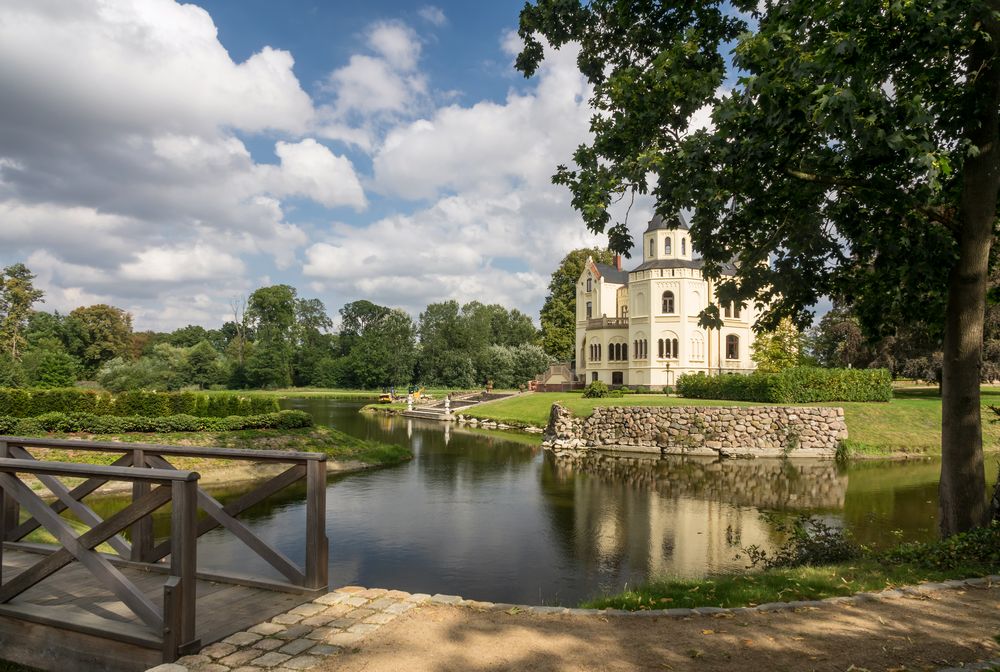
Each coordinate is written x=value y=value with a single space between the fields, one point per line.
x=596 y=390
x=978 y=546
x=23 y=403
x=117 y=424
x=809 y=542
x=801 y=384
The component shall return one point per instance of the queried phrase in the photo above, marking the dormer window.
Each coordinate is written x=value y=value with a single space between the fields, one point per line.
x=666 y=246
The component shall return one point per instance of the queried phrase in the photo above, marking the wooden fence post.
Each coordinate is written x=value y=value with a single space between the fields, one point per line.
x=317 y=545
x=142 y=530
x=11 y=509
x=184 y=556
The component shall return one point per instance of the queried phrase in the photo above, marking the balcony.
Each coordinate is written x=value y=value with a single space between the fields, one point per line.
x=608 y=323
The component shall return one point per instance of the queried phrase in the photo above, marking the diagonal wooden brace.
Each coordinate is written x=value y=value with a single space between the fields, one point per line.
x=216 y=511
x=239 y=505
x=88 y=540
x=105 y=573
x=77 y=493
x=86 y=515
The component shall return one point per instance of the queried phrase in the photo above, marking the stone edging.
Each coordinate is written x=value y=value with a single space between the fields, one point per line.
x=308 y=635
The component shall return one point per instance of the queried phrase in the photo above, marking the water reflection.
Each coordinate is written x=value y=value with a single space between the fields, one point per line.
x=761 y=483
x=492 y=516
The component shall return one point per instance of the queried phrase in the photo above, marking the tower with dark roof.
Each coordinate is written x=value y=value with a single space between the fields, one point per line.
x=640 y=327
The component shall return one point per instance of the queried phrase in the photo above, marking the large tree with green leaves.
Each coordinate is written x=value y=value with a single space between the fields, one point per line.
x=857 y=154
x=97 y=334
x=17 y=296
x=558 y=315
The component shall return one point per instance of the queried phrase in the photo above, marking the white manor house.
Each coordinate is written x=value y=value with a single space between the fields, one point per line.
x=640 y=327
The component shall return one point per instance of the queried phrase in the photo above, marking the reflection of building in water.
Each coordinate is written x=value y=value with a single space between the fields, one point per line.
x=680 y=516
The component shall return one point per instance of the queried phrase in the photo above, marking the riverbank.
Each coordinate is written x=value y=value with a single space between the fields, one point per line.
x=345 y=453
x=909 y=425
x=353 y=629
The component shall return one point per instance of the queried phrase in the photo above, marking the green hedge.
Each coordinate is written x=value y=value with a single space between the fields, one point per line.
x=115 y=424
x=22 y=403
x=798 y=385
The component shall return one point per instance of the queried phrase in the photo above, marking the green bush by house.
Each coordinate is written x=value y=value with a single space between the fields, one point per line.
x=24 y=403
x=797 y=385
x=114 y=424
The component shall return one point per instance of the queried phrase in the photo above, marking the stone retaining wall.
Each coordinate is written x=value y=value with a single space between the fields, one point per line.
x=758 y=431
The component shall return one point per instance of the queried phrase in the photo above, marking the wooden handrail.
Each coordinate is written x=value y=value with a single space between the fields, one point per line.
x=174 y=623
x=155 y=449
x=110 y=473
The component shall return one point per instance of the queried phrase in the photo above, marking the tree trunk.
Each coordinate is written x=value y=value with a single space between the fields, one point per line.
x=962 y=493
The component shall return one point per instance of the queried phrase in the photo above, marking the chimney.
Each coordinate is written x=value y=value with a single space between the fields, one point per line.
x=618 y=262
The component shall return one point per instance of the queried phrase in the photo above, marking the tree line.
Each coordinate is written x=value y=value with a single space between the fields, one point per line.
x=275 y=338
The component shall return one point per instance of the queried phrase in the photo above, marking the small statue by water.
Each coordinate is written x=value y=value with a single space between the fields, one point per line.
x=409 y=402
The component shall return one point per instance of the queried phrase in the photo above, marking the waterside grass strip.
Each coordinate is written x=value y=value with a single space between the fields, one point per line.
x=310 y=634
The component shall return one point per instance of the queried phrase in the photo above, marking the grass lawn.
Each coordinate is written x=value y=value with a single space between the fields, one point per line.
x=779 y=585
x=910 y=423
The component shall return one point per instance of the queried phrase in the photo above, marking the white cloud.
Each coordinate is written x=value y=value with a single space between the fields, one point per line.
x=433 y=15
x=396 y=43
x=179 y=264
x=126 y=175
x=490 y=147
x=121 y=174
x=310 y=169
x=374 y=91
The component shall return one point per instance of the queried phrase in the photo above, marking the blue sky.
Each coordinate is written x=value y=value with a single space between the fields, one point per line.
x=168 y=157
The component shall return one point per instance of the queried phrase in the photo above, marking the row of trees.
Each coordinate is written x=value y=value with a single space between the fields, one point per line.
x=274 y=339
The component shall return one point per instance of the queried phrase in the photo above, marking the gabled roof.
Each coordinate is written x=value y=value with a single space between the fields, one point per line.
x=612 y=274
x=676 y=222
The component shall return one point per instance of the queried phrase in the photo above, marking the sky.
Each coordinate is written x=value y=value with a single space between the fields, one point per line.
x=167 y=158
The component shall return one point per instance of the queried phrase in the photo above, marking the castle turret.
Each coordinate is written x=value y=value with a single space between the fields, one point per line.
x=666 y=240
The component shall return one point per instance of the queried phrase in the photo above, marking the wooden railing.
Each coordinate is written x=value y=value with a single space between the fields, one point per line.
x=308 y=466
x=175 y=621
x=145 y=466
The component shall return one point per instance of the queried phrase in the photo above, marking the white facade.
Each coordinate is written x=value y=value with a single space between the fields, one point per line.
x=640 y=327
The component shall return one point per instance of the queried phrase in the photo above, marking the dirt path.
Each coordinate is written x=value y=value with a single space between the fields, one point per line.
x=928 y=632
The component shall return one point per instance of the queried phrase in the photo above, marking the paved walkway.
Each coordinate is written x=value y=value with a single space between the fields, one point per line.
x=352 y=629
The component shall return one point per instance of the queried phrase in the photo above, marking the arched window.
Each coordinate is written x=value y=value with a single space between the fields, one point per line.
x=661 y=348
x=732 y=347
x=697 y=346
x=652 y=247
x=675 y=351
x=668 y=303
x=666 y=246
x=590 y=310
x=684 y=246
x=590 y=284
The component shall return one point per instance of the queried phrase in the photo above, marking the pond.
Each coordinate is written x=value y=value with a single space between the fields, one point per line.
x=492 y=516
